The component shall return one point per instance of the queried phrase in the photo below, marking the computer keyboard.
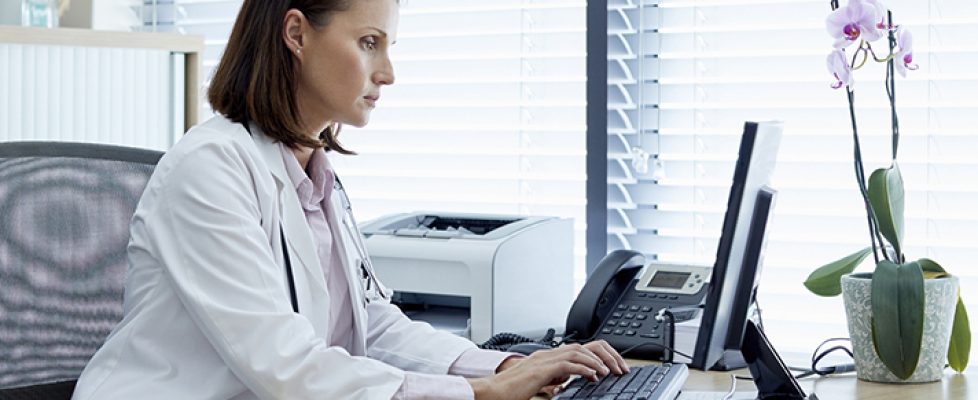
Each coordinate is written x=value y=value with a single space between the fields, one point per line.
x=650 y=382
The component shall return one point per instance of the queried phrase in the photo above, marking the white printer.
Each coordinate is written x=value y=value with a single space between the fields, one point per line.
x=476 y=275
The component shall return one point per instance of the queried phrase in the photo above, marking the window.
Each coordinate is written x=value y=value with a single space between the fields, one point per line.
x=486 y=116
x=684 y=75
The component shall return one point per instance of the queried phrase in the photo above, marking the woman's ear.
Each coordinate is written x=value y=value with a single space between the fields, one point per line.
x=294 y=24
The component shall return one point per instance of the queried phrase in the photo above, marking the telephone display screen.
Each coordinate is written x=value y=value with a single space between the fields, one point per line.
x=668 y=279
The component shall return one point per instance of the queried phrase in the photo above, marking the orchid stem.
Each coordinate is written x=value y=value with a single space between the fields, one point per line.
x=891 y=91
x=861 y=179
x=855 y=55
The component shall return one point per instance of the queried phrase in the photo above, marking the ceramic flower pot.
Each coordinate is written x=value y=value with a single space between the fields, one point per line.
x=940 y=298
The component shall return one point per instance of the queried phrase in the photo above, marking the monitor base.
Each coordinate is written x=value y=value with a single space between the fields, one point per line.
x=729 y=361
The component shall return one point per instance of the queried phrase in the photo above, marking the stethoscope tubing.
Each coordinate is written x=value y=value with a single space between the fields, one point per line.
x=350 y=223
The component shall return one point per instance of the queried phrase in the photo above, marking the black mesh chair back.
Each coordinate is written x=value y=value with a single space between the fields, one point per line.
x=65 y=210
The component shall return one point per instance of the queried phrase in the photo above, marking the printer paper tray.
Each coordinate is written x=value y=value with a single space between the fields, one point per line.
x=451 y=319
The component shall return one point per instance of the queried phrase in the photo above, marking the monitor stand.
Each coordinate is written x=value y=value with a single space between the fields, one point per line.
x=729 y=361
x=771 y=376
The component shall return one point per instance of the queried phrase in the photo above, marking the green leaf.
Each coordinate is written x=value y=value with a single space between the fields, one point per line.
x=957 y=353
x=824 y=281
x=932 y=269
x=898 y=315
x=886 y=196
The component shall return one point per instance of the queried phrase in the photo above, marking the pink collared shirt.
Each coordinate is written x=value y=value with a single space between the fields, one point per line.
x=314 y=187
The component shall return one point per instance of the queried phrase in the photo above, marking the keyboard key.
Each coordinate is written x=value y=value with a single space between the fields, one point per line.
x=606 y=331
x=623 y=324
x=629 y=316
x=622 y=383
x=619 y=331
x=616 y=314
x=641 y=317
x=646 y=309
x=636 y=324
x=633 y=308
x=648 y=382
x=605 y=385
x=629 y=333
x=569 y=391
x=622 y=307
x=611 y=322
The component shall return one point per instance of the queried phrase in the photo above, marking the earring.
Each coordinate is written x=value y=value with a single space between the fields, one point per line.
x=298 y=50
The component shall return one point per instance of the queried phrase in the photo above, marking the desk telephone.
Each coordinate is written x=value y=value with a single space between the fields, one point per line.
x=621 y=307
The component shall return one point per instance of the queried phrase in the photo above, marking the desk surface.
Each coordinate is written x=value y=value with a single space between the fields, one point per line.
x=846 y=386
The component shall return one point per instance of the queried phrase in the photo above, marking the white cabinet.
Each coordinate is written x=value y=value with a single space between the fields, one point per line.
x=131 y=89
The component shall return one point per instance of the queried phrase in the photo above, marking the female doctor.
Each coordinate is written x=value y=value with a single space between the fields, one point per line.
x=248 y=279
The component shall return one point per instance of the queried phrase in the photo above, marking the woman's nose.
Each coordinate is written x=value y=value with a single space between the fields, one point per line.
x=385 y=74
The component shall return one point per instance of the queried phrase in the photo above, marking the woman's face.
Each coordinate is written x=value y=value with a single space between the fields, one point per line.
x=343 y=65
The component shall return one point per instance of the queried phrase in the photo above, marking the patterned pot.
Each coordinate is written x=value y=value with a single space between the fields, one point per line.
x=940 y=299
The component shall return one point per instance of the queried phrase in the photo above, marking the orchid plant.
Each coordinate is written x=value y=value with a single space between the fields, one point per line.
x=898 y=284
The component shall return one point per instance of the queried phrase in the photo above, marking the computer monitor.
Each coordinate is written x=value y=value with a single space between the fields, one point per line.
x=734 y=279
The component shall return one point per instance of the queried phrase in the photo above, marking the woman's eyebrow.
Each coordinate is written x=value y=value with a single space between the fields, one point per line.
x=382 y=33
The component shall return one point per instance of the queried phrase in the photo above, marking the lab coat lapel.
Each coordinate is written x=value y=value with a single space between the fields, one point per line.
x=350 y=260
x=297 y=231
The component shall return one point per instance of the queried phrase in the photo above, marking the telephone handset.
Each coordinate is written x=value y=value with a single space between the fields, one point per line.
x=620 y=307
x=612 y=276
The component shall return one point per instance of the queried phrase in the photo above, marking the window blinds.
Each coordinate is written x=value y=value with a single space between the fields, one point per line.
x=684 y=75
x=487 y=114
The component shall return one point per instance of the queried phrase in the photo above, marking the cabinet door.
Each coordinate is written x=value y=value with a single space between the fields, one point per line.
x=128 y=97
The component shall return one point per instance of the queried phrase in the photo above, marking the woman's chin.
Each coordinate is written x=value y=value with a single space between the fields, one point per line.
x=358 y=121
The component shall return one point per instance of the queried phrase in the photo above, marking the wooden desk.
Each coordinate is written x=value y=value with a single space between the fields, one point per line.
x=953 y=387
x=843 y=387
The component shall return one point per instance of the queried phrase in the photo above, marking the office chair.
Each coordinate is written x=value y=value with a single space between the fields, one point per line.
x=65 y=210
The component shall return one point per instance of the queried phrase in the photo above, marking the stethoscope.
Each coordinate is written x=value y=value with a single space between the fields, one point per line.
x=349 y=223
x=366 y=267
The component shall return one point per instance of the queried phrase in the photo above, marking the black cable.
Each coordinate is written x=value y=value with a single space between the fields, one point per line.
x=820 y=354
x=672 y=330
x=657 y=344
x=670 y=348
x=503 y=341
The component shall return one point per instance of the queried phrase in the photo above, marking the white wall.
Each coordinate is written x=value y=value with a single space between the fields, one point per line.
x=108 y=15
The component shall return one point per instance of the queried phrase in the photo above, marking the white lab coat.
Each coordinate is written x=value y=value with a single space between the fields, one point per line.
x=207 y=304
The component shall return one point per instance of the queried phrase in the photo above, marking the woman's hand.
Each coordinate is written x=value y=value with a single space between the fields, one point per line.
x=544 y=371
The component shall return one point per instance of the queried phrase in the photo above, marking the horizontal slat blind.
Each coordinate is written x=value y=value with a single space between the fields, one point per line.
x=705 y=67
x=487 y=113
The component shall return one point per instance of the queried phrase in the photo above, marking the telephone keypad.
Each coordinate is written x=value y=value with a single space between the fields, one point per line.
x=633 y=320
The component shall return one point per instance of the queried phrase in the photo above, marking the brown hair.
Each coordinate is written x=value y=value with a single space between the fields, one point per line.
x=256 y=77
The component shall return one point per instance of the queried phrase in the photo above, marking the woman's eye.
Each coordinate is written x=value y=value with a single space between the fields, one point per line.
x=369 y=43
